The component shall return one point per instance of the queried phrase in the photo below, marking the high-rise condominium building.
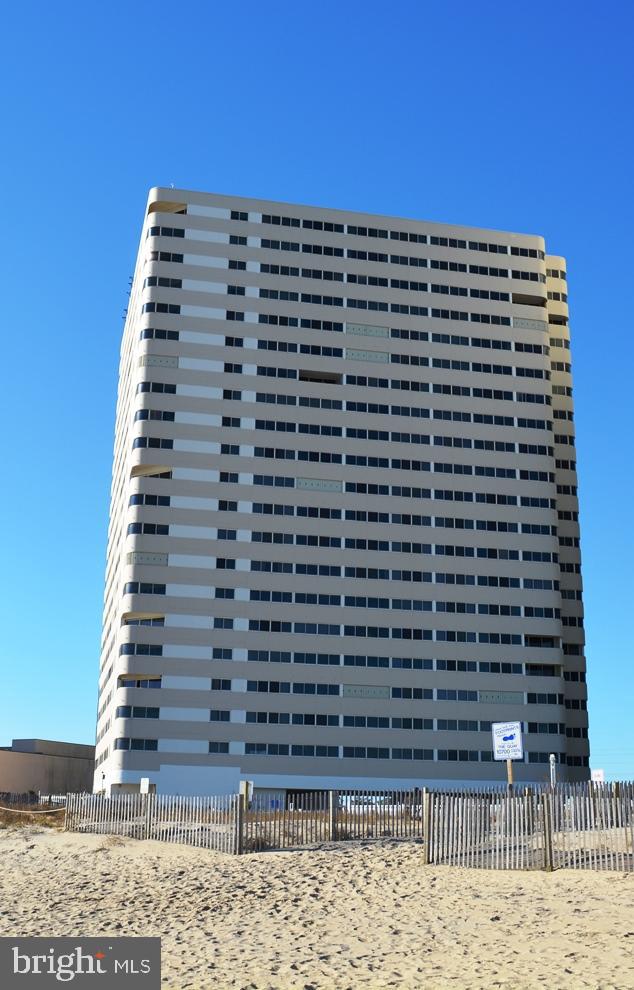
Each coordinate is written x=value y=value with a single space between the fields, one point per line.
x=344 y=525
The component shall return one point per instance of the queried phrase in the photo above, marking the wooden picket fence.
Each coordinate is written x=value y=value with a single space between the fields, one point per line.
x=331 y=816
x=25 y=799
x=206 y=822
x=576 y=826
x=592 y=826
x=305 y=820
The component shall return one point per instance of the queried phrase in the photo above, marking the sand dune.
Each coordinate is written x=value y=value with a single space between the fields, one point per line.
x=349 y=916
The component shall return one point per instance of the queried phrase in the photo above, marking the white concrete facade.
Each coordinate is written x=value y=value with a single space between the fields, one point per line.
x=344 y=523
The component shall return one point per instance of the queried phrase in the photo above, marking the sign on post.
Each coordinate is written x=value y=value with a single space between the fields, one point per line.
x=507 y=745
x=507 y=741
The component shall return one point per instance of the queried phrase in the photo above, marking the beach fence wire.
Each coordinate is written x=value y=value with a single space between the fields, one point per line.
x=9 y=799
x=576 y=826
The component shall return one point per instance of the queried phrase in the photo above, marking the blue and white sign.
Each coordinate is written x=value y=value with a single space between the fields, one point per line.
x=507 y=741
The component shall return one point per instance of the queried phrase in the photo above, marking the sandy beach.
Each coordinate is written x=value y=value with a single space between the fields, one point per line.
x=337 y=918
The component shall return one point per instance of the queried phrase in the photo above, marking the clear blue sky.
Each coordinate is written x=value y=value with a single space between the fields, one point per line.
x=497 y=114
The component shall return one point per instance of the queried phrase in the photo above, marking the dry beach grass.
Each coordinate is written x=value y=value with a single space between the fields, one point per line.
x=355 y=915
x=25 y=815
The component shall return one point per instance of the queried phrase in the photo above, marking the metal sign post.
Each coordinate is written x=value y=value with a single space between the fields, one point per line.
x=507 y=745
x=553 y=769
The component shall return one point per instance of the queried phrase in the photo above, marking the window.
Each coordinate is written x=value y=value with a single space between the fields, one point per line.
x=138 y=682
x=136 y=711
x=151 y=529
x=160 y=443
x=156 y=621
x=156 y=387
x=148 y=499
x=136 y=744
x=141 y=650
x=165 y=256
x=143 y=588
x=219 y=715
x=168 y=283
x=156 y=334
x=157 y=307
x=165 y=232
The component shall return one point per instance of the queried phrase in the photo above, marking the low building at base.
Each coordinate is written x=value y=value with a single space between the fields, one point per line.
x=44 y=766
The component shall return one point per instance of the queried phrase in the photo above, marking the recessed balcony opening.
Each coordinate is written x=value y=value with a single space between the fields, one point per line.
x=522 y=299
x=164 y=206
x=543 y=670
x=151 y=471
x=324 y=377
x=542 y=642
x=138 y=681
x=143 y=619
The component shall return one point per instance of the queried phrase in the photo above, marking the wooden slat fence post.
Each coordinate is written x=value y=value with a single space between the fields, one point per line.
x=148 y=816
x=426 y=819
x=548 y=831
x=333 y=804
x=241 y=814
